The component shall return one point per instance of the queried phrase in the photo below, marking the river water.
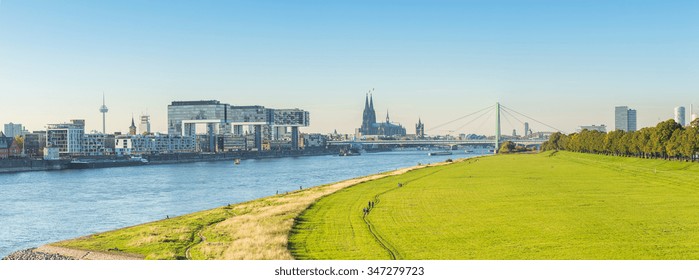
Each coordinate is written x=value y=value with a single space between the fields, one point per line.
x=42 y=207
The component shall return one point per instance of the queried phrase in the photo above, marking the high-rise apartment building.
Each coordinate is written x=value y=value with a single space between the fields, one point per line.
x=624 y=119
x=13 y=129
x=67 y=137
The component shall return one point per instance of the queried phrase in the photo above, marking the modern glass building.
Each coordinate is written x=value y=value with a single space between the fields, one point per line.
x=180 y=111
x=226 y=122
x=624 y=118
x=679 y=115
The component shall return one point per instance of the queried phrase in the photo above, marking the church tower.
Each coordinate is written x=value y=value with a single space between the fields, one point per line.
x=420 y=129
x=368 y=117
x=132 y=128
x=372 y=112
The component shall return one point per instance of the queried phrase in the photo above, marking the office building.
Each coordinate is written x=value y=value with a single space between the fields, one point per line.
x=186 y=114
x=221 y=119
x=679 y=115
x=144 y=126
x=624 y=119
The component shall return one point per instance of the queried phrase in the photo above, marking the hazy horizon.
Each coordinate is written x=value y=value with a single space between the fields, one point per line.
x=566 y=63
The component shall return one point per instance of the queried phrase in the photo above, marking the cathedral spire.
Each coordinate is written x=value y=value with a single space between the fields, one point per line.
x=366 y=102
x=371 y=102
x=388 y=120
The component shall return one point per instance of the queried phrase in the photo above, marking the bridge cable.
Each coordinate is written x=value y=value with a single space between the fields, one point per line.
x=528 y=117
x=460 y=118
x=511 y=115
x=507 y=119
x=480 y=116
x=488 y=119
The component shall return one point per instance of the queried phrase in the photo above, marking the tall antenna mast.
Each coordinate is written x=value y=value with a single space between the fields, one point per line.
x=104 y=111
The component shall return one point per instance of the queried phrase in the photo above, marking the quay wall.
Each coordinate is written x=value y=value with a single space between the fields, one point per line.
x=24 y=165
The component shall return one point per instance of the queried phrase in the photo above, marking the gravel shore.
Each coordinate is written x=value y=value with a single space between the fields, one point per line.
x=30 y=254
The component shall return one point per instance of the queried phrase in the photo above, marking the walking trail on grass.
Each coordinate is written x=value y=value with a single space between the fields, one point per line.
x=253 y=230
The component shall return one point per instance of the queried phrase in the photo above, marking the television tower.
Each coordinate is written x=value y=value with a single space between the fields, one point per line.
x=104 y=111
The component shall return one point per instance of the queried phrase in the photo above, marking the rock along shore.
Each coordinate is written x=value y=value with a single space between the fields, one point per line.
x=31 y=255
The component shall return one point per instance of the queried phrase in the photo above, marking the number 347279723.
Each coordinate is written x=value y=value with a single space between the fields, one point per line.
x=396 y=270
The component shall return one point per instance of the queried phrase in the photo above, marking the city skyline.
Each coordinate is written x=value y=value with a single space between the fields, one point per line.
x=567 y=64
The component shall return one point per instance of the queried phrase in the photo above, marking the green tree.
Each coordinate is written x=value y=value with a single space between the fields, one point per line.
x=661 y=136
x=612 y=142
x=554 y=142
x=507 y=147
x=690 y=142
x=673 y=147
x=20 y=142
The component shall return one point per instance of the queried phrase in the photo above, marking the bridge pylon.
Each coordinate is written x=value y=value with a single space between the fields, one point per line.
x=497 y=127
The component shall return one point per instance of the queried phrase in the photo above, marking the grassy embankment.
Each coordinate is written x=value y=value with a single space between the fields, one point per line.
x=541 y=206
x=256 y=229
x=537 y=206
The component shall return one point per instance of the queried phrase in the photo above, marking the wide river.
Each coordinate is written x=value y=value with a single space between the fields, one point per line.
x=42 y=207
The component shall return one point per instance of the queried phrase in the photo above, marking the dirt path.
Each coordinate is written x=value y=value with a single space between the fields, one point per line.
x=395 y=255
x=262 y=232
x=202 y=239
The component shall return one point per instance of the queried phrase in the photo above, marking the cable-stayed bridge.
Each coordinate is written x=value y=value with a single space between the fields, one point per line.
x=498 y=111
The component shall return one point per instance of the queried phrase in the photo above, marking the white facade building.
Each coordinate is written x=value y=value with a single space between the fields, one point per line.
x=144 y=126
x=67 y=137
x=95 y=144
x=150 y=144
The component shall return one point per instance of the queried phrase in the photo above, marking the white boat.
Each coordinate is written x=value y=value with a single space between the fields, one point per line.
x=139 y=159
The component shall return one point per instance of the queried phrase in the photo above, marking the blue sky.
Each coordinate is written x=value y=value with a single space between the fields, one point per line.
x=565 y=62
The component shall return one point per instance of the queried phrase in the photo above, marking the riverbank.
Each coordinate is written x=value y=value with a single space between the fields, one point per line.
x=256 y=229
x=28 y=165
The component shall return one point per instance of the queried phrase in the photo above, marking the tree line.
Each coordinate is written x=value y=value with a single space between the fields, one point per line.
x=667 y=140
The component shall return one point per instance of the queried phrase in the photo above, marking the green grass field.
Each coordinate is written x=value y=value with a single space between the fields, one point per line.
x=528 y=206
x=257 y=229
